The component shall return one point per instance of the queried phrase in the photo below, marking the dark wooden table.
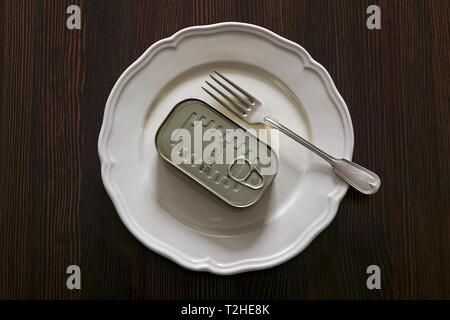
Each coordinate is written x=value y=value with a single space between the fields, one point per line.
x=54 y=210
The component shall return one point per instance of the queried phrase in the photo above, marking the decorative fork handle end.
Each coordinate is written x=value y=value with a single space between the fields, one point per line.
x=358 y=177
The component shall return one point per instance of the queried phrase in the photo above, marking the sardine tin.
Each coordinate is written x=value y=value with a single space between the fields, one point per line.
x=241 y=183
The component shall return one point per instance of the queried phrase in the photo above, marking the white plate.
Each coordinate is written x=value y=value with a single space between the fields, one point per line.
x=170 y=214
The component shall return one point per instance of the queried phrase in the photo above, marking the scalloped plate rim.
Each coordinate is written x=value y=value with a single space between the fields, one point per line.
x=209 y=264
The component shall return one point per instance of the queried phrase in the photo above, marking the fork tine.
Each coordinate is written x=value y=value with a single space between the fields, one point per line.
x=232 y=92
x=223 y=103
x=231 y=101
x=244 y=92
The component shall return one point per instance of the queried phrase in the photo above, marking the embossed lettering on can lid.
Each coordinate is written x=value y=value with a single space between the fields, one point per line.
x=240 y=181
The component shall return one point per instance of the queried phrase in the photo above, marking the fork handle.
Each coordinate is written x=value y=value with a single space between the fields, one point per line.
x=358 y=177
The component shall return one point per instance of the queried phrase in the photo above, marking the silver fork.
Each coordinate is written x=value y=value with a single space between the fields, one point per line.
x=250 y=109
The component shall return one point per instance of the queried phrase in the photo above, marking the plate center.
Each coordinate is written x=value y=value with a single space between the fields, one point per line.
x=191 y=204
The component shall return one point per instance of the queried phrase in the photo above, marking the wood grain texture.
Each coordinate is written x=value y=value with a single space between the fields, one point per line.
x=55 y=212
